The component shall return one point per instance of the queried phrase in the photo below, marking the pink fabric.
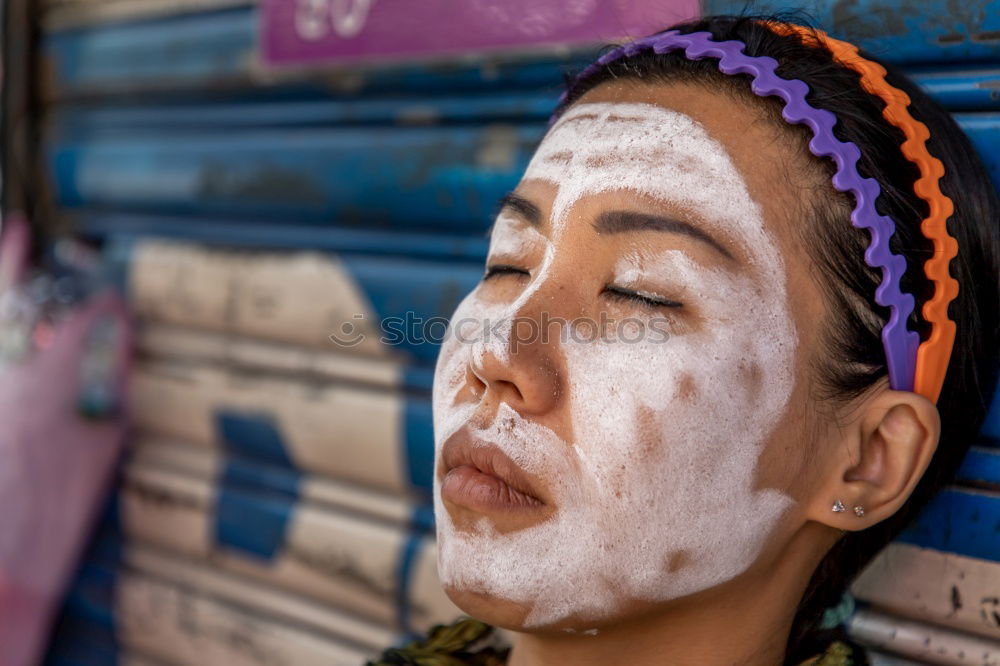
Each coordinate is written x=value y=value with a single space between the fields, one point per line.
x=55 y=467
x=13 y=249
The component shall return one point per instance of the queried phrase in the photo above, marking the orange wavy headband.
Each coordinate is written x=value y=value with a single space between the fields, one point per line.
x=934 y=353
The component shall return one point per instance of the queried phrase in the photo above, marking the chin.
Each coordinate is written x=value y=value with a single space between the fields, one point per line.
x=492 y=610
x=513 y=616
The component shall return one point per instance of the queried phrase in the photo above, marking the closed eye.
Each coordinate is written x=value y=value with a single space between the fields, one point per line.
x=642 y=298
x=500 y=269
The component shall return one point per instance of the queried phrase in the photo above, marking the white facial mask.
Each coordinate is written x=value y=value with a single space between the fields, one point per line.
x=655 y=498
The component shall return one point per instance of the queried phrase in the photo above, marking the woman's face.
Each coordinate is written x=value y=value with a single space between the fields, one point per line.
x=620 y=407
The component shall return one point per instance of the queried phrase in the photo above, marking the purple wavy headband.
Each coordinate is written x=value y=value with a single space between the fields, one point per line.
x=899 y=343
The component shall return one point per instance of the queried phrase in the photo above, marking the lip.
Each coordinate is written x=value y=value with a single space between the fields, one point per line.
x=483 y=478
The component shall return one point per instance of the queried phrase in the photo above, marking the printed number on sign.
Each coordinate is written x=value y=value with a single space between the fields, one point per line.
x=315 y=19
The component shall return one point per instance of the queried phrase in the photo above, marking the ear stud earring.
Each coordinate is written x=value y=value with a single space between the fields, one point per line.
x=838 y=507
x=859 y=511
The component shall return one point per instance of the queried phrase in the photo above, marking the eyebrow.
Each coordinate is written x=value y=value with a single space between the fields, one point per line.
x=531 y=213
x=620 y=221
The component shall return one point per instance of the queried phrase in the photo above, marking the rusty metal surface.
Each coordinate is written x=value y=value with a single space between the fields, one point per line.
x=904 y=31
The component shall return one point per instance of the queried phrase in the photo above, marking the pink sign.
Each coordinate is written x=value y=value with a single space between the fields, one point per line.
x=296 y=32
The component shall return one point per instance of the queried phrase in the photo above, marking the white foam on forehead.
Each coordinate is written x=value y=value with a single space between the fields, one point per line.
x=646 y=148
x=667 y=435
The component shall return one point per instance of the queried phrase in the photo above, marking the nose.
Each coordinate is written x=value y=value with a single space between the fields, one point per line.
x=518 y=360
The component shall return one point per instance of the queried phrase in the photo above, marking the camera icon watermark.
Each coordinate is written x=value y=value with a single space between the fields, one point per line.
x=350 y=333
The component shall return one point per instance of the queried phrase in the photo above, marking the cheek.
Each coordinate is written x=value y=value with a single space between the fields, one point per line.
x=687 y=388
x=673 y=417
x=751 y=377
x=649 y=426
x=790 y=461
x=677 y=560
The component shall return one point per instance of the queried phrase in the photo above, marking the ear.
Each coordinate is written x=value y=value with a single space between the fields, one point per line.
x=877 y=460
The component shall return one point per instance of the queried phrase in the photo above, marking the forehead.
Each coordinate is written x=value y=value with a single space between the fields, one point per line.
x=773 y=163
x=597 y=134
x=650 y=158
x=648 y=150
x=705 y=154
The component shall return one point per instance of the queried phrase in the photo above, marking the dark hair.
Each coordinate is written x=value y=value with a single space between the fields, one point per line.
x=854 y=359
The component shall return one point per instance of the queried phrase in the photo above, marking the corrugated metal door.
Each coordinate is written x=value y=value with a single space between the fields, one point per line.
x=274 y=508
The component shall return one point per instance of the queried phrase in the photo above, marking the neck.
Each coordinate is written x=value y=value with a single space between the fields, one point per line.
x=744 y=622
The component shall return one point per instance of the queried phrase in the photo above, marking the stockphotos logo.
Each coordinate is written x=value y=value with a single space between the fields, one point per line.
x=412 y=330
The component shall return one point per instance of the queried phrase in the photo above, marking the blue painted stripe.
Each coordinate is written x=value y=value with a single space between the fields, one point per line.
x=477 y=108
x=960 y=521
x=418 y=377
x=433 y=178
x=418 y=438
x=984 y=131
x=277 y=482
x=958 y=88
x=252 y=433
x=166 y=52
x=981 y=465
x=897 y=30
x=254 y=504
x=126 y=229
x=251 y=524
x=423 y=519
x=962 y=89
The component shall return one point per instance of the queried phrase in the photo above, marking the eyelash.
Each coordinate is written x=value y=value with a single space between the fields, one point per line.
x=621 y=294
x=501 y=269
x=617 y=293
